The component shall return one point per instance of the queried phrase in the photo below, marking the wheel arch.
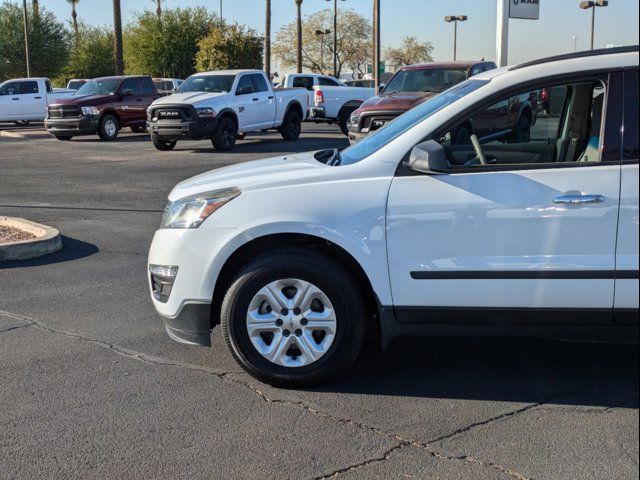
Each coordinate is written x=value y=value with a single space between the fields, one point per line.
x=111 y=111
x=228 y=112
x=261 y=244
x=294 y=105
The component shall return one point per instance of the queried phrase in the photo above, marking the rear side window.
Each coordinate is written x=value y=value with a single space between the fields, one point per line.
x=630 y=142
x=28 y=87
x=475 y=70
x=327 y=82
x=129 y=84
x=259 y=83
x=146 y=86
x=303 y=82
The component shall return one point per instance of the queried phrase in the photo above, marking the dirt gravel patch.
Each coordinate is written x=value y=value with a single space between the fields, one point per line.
x=12 y=234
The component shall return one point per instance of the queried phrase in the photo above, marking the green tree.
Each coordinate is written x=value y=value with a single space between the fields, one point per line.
x=166 y=46
x=49 y=43
x=230 y=46
x=92 y=54
x=353 y=46
x=410 y=51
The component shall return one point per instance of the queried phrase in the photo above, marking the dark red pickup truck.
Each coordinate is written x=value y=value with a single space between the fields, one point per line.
x=409 y=87
x=103 y=106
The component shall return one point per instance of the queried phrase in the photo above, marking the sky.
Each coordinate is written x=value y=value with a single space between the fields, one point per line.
x=553 y=34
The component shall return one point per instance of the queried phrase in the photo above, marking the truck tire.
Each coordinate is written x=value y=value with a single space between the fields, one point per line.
x=225 y=134
x=522 y=132
x=64 y=137
x=291 y=126
x=308 y=350
x=108 y=127
x=163 y=145
x=343 y=119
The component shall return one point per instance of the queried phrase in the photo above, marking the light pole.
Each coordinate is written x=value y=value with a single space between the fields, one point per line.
x=221 y=10
x=26 y=36
x=575 y=43
x=592 y=5
x=455 y=19
x=335 y=37
x=322 y=33
x=376 y=44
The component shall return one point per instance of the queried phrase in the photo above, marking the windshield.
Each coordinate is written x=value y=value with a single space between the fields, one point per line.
x=432 y=80
x=404 y=122
x=75 y=84
x=207 y=83
x=98 y=87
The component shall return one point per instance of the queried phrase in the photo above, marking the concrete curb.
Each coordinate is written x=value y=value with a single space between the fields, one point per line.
x=47 y=240
x=25 y=134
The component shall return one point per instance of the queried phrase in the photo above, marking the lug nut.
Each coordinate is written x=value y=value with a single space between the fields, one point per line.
x=298 y=332
x=279 y=322
x=296 y=311
x=284 y=311
x=304 y=321
x=286 y=333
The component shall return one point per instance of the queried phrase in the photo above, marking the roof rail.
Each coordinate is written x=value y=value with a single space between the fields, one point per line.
x=586 y=53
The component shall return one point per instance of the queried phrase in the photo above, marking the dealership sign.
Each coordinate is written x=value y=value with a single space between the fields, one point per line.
x=525 y=9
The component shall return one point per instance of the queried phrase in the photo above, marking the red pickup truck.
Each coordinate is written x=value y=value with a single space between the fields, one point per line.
x=103 y=106
x=410 y=86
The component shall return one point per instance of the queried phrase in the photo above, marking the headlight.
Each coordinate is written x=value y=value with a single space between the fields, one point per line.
x=354 y=119
x=90 y=111
x=206 y=112
x=190 y=212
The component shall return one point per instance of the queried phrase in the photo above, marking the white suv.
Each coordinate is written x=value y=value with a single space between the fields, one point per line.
x=420 y=230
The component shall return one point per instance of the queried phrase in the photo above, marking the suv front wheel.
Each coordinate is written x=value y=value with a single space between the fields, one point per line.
x=294 y=318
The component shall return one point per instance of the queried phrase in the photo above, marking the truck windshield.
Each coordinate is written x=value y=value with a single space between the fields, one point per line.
x=433 y=80
x=406 y=121
x=208 y=83
x=98 y=87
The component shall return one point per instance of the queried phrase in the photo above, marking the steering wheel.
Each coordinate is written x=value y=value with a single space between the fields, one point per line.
x=478 y=149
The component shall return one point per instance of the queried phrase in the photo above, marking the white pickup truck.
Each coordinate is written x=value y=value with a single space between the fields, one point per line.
x=223 y=106
x=24 y=100
x=330 y=100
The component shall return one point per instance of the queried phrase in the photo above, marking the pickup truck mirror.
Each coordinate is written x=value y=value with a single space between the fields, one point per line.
x=428 y=157
x=244 y=90
x=381 y=87
x=127 y=92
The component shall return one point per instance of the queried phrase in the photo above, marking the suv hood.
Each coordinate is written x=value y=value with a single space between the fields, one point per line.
x=396 y=101
x=254 y=175
x=192 y=98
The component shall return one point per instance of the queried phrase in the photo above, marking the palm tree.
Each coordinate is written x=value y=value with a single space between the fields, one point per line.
x=267 y=40
x=74 y=16
x=117 y=38
x=35 y=8
x=299 y=56
x=158 y=7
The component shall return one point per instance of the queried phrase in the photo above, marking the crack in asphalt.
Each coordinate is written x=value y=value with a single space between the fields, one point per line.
x=92 y=209
x=224 y=375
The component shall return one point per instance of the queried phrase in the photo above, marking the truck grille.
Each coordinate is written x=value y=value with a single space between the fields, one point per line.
x=374 y=122
x=64 y=111
x=170 y=113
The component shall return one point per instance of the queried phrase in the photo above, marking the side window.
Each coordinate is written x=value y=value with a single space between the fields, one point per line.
x=47 y=85
x=259 y=83
x=475 y=70
x=488 y=66
x=303 y=82
x=28 y=87
x=630 y=143
x=552 y=124
x=10 y=89
x=129 y=84
x=328 y=82
x=146 y=86
x=245 y=85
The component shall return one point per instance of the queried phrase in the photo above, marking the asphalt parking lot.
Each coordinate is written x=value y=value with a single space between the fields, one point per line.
x=91 y=386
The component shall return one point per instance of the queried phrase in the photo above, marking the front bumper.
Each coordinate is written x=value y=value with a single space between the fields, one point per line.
x=317 y=113
x=192 y=325
x=355 y=137
x=72 y=126
x=187 y=125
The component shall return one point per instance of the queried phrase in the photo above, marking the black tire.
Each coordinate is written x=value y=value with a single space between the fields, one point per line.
x=138 y=128
x=343 y=119
x=163 y=145
x=331 y=278
x=22 y=123
x=63 y=137
x=522 y=132
x=291 y=126
x=225 y=134
x=108 y=127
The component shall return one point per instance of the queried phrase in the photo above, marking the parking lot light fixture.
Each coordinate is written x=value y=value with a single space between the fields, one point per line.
x=593 y=5
x=455 y=19
x=322 y=33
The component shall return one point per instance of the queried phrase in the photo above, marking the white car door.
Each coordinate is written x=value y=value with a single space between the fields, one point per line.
x=33 y=101
x=10 y=104
x=246 y=107
x=627 y=283
x=266 y=101
x=532 y=230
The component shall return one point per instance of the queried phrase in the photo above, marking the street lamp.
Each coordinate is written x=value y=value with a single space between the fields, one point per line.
x=592 y=5
x=455 y=19
x=322 y=33
x=335 y=37
x=26 y=36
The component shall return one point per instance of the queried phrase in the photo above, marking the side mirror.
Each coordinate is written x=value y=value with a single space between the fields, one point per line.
x=127 y=92
x=244 y=90
x=381 y=87
x=428 y=157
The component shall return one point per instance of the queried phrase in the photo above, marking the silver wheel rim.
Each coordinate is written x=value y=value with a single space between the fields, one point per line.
x=110 y=127
x=291 y=322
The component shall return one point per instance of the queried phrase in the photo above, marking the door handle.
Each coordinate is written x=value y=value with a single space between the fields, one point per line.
x=574 y=199
x=138 y=99
x=255 y=99
x=37 y=98
x=16 y=98
x=271 y=97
